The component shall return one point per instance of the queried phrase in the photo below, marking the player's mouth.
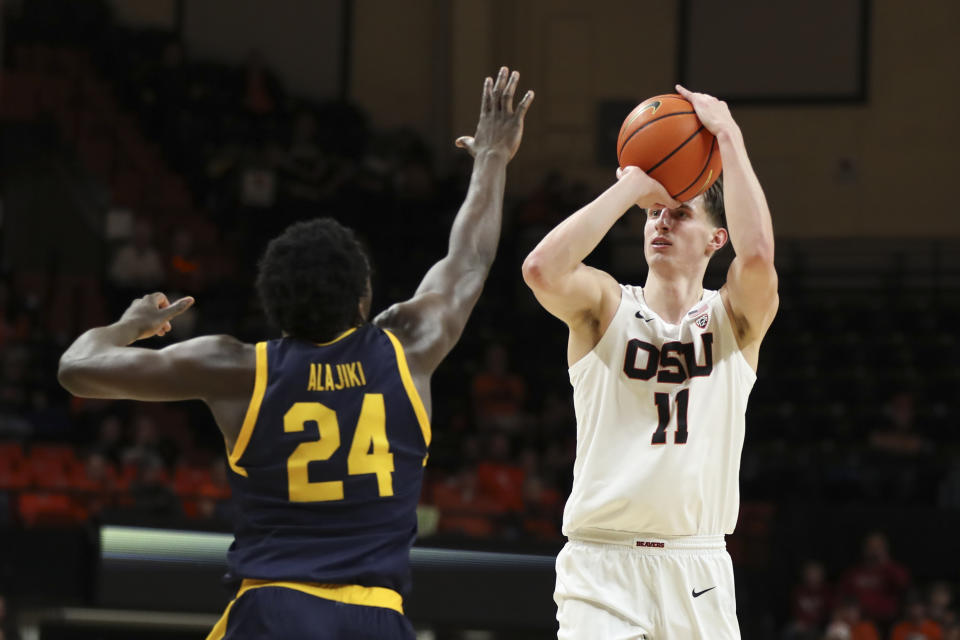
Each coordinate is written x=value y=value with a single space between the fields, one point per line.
x=660 y=242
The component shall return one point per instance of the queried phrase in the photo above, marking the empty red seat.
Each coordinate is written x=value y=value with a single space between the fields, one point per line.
x=42 y=508
x=188 y=480
x=14 y=475
x=53 y=467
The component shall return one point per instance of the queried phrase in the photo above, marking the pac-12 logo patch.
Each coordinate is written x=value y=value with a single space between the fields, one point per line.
x=702 y=320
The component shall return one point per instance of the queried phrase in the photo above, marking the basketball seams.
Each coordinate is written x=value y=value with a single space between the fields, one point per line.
x=648 y=123
x=678 y=148
x=713 y=148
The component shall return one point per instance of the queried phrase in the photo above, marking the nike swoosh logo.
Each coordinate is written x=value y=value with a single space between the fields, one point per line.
x=640 y=315
x=653 y=105
x=697 y=594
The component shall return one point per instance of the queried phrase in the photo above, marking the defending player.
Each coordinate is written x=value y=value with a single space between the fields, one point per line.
x=661 y=375
x=326 y=429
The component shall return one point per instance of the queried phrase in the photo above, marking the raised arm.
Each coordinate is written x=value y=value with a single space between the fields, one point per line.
x=101 y=364
x=583 y=297
x=430 y=323
x=750 y=293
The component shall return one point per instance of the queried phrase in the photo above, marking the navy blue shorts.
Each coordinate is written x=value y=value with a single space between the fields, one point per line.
x=270 y=613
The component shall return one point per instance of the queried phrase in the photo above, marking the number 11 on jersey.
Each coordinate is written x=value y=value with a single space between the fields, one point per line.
x=662 y=401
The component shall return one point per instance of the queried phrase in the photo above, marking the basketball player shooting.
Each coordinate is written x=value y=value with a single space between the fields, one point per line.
x=661 y=375
x=326 y=429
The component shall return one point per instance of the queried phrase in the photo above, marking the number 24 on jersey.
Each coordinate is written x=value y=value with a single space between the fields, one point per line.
x=369 y=451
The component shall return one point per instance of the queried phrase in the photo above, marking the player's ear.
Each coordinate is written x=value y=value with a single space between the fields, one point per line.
x=719 y=239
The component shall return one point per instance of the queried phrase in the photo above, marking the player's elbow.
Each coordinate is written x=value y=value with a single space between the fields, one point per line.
x=71 y=376
x=760 y=258
x=535 y=273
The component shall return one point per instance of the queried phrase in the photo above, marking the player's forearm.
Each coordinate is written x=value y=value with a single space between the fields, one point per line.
x=748 y=217
x=476 y=229
x=563 y=249
x=96 y=342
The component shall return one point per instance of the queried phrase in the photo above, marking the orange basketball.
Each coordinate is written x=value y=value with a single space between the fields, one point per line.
x=664 y=137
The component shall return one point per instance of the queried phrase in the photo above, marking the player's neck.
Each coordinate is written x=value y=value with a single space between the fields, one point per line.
x=671 y=299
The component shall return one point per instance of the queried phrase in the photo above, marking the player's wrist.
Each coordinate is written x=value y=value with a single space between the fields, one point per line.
x=494 y=154
x=125 y=331
x=730 y=134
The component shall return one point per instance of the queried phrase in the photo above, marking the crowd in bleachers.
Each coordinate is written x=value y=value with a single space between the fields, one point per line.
x=871 y=599
x=204 y=162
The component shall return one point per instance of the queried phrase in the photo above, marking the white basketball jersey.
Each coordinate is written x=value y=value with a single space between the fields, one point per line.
x=660 y=424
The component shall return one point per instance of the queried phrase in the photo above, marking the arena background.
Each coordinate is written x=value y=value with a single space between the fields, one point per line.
x=158 y=144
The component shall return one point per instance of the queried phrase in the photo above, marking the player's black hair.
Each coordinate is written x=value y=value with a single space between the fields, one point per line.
x=713 y=203
x=311 y=279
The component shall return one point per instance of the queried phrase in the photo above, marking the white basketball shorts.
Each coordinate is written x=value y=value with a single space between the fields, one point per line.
x=638 y=587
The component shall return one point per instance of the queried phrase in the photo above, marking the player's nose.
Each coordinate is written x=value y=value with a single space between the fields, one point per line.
x=665 y=219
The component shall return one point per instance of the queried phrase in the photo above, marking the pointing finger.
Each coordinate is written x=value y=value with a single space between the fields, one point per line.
x=179 y=307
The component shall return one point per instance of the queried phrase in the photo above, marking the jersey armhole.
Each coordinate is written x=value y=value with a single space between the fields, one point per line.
x=415 y=400
x=730 y=334
x=253 y=411
x=576 y=366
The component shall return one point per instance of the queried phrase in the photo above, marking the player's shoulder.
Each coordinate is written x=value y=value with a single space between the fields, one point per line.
x=221 y=350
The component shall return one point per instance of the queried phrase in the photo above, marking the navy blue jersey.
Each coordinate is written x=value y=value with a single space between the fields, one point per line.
x=328 y=465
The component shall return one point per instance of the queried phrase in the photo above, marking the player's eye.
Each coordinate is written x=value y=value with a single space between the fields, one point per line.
x=653 y=213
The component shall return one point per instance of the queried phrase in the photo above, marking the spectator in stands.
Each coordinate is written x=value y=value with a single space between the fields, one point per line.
x=150 y=492
x=109 y=442
x=837 y=631
x=14 y=322
x=900 y=436
x=498 y=395
x=14 y=390
x=464 y=508
x=878 y=582
x=547 y=205
x=47 y=420
x=847 y=618
x=145 y=451
x=214 y=503
x=185 y=269
x=938 y=604
x=261 y=90
x=542 y=506
x=303 y=163
x=902 y=453
x=949 y=492
x=137 y=265
x=916 y=625
x=499 y=477
x=812 y=599
x=556 y=416
x=99 y=483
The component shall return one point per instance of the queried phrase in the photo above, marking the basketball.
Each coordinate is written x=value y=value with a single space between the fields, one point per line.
x=664 y=137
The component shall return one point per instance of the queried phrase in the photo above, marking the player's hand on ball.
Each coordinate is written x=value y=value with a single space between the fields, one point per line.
x=713 y=113
x=501 y=125
x=650 y=194
x=151 y=314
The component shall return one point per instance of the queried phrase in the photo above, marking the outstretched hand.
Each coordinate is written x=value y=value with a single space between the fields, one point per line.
x=712 y=112
x=151 y=314
x=501 y=126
